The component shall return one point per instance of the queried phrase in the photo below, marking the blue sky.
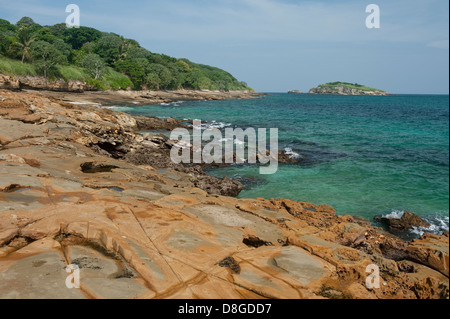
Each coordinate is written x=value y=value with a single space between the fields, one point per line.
x=279 y=45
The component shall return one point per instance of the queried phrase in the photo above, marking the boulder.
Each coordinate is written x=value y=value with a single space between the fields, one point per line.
x=8 y=82
x=406 y=222
x=431 y=250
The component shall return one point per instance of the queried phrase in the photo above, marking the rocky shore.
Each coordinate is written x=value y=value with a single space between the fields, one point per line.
x=80 y=92
x=79 y=186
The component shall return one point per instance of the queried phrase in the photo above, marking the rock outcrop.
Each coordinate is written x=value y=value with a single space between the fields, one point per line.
x=41 y=83
x=69 y=195
x=406 y=222
x=68 y=90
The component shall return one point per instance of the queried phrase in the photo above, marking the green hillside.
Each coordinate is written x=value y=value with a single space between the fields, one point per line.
x=105 y=60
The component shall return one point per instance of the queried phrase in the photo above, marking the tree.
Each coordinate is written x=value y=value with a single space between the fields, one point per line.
x=58 y=29
x=64 y=48
x=163 y=73
x=183 y=66
x=76 y=37
x=23 y=40
x=47 y=56
x=109 y=47
x=6 y=26
x=137 y=52
x=153 y=81
x=26 y=22
x=135 y=69
x=94 y=65
x=45 y=34
x=5 y=41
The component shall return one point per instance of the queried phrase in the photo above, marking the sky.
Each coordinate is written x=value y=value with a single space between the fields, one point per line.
x=279 y=45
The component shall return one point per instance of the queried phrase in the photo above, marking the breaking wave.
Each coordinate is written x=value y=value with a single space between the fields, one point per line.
x=439 y=223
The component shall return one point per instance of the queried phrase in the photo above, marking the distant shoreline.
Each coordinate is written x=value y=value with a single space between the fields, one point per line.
x=124 y=98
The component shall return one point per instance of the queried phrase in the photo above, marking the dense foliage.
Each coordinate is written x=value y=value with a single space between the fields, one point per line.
x=106 y=60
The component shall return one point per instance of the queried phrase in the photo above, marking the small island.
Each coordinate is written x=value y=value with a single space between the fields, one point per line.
x=295 y=92
x=345 y=88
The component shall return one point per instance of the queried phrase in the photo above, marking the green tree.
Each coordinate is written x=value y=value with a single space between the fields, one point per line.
x=94 y=65
x=5 y=41
x=137 y=52
x=110 y=47
x=23 y=41
x=6 y=26
x=47 y=56
x=46 y=34
x=163 y=73
x=183 y=66
x=26 y=22
x=64 y=48
x=153 y=81
x=77 y=37
x=58 y=29
x=135 y=69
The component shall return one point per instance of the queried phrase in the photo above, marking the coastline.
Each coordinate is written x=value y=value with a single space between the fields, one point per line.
x=56 y=155
x=127 y=98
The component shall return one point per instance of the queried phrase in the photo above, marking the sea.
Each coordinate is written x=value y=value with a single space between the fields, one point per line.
x=365 y=156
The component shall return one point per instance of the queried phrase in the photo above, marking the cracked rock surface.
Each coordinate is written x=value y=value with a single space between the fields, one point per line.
x=68 y=196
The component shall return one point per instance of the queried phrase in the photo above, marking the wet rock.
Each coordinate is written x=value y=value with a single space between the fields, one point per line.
x=406 y=222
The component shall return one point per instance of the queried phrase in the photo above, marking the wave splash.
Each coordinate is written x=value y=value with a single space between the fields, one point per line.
x=291 y=153
x=439 y=223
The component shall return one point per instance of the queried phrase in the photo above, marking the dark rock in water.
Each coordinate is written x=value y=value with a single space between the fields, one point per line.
x=406 y=222
x=289 y=158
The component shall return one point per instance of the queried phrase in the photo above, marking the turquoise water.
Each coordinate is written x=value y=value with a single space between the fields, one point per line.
x=364 y=155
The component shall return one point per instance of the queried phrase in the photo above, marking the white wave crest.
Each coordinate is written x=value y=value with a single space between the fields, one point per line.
x=291 y=153
x=397 y=214
x=439 y=223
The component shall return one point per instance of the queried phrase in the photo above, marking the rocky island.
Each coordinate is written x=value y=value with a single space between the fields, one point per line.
x=344 y=88
x=80 y=186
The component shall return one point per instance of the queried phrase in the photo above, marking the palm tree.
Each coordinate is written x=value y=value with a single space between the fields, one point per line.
x=24 y=38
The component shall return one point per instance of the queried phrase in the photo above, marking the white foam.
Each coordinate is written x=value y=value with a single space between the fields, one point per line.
x=214 y=125
x=396 y=214
x=291 y=153
x=439 y=224
x=176 y=103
